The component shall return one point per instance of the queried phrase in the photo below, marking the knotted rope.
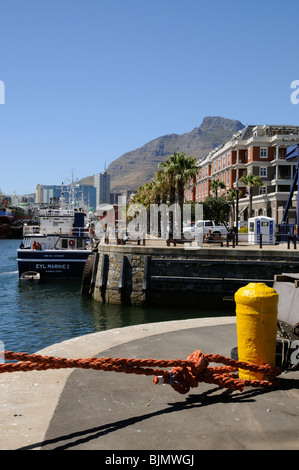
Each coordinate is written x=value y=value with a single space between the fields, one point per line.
x=184 y=374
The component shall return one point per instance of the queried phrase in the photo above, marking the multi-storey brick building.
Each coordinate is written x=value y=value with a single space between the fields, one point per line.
x=260 y=150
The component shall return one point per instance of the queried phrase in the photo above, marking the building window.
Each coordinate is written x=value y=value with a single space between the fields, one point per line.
x=263 y=189
x=263 y=171
x=264 y=152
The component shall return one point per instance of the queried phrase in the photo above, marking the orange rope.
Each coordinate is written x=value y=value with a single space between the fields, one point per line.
x=184 y=374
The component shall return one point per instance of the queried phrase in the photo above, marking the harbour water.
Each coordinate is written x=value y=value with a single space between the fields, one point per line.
x=34 y=316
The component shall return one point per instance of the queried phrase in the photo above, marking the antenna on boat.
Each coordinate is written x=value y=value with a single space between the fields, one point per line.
x=62 y=198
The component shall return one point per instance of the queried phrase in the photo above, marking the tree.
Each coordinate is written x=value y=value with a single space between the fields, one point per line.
x=178 y=169
x=169 y=178
x=216 y=209
x=250 y=181
x=215 y=185
x=168 y=185
x=159 y=189
x=231 y=197
x=145 y=197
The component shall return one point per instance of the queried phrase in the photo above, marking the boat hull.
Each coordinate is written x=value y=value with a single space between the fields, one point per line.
x=53 y=264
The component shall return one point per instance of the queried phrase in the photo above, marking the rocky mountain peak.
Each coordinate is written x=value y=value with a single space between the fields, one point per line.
x=136 y=167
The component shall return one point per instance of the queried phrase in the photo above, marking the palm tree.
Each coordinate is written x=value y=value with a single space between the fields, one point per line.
x=232 y=196
x=159 y=191
x=144 y=197
x=250 y=181
x=215 y=185
x=148 y=199
x=178 y=169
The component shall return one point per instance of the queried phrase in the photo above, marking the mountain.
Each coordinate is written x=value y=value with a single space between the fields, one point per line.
x=136 y=167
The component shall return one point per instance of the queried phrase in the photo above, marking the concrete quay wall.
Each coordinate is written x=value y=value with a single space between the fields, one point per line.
x=149 y=275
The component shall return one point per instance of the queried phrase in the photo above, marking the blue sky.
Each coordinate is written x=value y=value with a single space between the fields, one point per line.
x=88 y=80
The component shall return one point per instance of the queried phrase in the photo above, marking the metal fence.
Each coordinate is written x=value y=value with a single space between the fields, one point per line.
x=284 y=231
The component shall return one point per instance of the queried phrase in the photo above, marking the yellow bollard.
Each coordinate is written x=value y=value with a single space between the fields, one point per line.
x=256 y=311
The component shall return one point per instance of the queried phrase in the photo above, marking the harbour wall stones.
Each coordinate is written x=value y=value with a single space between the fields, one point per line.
x=171 y=276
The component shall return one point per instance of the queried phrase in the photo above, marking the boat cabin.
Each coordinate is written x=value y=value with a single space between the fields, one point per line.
x=57 y=230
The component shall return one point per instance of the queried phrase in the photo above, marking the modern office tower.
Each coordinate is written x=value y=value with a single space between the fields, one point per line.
x=102 y=185
x=52 y=194
x=47 y=194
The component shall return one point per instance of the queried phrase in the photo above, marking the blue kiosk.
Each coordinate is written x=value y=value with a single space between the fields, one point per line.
x=261 y=229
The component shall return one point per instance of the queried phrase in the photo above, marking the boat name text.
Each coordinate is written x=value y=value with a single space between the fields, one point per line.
x=52 y=266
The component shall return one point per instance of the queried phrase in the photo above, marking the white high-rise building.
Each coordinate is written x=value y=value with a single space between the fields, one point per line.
x=102 y=185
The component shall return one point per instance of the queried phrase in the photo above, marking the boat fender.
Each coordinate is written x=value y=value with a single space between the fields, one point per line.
x=87 y=275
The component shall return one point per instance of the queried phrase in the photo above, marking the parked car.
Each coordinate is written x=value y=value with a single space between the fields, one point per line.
x=201 y=227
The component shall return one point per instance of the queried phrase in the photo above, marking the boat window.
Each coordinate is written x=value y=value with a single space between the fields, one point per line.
x=64 y=243
x=79 y=243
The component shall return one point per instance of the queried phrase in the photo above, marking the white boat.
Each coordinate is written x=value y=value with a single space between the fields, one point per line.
x=58 y=247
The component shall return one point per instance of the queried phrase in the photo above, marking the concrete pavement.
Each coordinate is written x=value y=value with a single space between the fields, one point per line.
x=80 y=409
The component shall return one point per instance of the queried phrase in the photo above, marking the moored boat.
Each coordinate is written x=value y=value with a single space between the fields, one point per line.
x=58 y=247
x=6 y=219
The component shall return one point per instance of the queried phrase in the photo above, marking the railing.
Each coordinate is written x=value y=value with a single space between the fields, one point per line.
x=31 y=230
x=76 y=232
x=285 y=231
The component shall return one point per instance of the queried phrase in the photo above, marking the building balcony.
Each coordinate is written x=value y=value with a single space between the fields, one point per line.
x=281 y=181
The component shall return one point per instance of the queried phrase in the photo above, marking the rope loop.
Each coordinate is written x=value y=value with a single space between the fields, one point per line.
x=185 y=374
